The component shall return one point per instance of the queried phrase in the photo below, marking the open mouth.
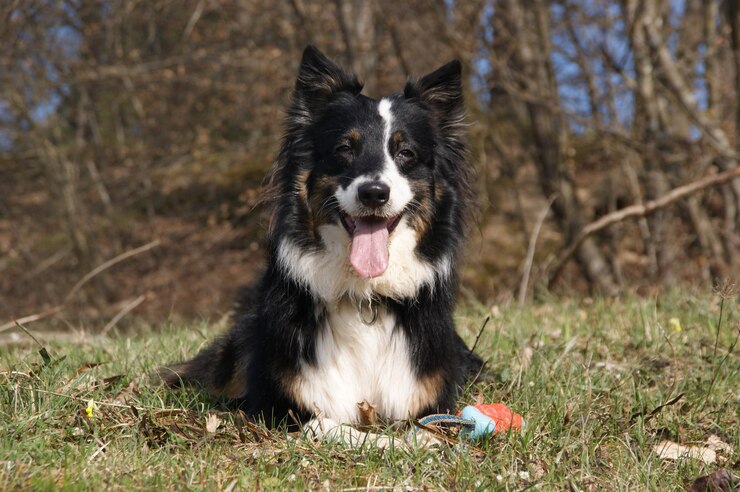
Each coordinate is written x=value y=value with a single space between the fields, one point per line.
x=370 y=234
x=350 y=224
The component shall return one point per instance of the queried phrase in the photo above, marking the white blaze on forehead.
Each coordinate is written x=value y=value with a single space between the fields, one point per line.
x=401 y=193
x=384 y=108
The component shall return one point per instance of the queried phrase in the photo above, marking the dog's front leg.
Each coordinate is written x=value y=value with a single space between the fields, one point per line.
x=329 y=430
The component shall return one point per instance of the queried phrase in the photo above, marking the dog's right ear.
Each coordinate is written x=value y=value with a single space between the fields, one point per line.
x=320 y=79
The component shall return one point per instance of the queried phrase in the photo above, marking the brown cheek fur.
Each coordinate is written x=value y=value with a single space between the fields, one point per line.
x=396 y=141
x=323 y=191
x=301 y=186
x=421 y=218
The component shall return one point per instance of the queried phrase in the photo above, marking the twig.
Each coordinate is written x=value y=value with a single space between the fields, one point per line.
x=103 y=403
x=19 y=325
x=108 y=264
x=530 y=250
x=480 y=332
x=97 y=452
x=194 y=18
x=109 y=404
x=96 y=271
x=656 y=410
x=31 y=318
x=369 y=487
x=640 y=211
x=730 y=350
x=719 y=325
x=123 y=312
x=48 y=263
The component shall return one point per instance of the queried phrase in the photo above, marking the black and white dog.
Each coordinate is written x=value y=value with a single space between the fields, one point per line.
x=369 y=211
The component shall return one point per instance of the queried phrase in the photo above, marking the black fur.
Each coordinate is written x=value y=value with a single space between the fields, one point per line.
x=277 y=322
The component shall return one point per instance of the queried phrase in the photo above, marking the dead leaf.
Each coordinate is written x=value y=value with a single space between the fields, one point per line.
x=721 y=480
x=112 y=380
x=125 y=393
x=86 y=367
x=539 y=471
x=212 y=423
x=155 y=435
x=368 y=415
x=717 y=444
x=669 y=450
x=609 y=366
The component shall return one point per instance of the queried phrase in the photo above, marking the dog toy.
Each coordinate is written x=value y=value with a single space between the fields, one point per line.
x=479 y=420
x=475 y=422
x=495 y=417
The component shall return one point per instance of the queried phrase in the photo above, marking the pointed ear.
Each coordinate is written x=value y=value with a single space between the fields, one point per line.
x=319 y=79
x=441 y=89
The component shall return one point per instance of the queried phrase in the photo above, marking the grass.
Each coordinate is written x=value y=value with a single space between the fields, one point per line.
x=589 y=376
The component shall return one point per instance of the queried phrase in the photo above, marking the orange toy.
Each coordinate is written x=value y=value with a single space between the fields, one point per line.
x=487 y=419
x=500 y=413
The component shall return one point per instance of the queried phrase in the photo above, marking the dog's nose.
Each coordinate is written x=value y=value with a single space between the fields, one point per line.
x=374 y=194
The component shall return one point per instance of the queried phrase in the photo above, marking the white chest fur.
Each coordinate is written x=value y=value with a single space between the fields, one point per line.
x=329 y=275
x=356 y=361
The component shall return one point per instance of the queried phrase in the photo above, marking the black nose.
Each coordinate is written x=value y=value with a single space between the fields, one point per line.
x=374 y=194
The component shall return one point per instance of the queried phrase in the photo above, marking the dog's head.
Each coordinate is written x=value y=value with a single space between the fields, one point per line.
x=375 y=184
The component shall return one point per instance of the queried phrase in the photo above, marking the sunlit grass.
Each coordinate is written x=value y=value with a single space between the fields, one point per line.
x=587 y=375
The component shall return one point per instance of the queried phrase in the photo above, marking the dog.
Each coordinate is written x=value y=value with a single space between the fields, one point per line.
x=370 y=200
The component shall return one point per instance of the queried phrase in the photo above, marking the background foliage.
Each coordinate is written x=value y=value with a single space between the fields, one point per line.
x=128 y=121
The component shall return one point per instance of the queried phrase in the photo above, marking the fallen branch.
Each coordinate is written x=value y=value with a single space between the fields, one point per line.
x=107 y=265
x=123 y=312
x=640 y=210
x=31 y=318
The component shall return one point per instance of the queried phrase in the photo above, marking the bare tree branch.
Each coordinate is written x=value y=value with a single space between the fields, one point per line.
x=639 y=211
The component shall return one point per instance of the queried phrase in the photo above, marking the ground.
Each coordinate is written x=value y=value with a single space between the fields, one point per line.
x=600 y=383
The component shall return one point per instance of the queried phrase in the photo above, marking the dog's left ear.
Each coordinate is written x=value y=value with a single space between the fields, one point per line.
x=320 y=79
x=441 y=89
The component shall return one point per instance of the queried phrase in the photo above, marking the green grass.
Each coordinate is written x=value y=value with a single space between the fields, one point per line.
x=587 y=375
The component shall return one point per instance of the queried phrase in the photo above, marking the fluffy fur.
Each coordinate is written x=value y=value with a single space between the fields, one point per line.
x=369 y=206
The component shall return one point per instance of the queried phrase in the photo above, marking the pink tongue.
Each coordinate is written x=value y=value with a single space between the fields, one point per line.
x=369 y=254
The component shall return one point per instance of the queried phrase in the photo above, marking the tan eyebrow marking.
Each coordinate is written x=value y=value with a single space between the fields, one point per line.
x=354 y=135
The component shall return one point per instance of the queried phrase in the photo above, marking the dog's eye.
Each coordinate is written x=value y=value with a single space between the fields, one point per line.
x=343 y=149
x=405 y=154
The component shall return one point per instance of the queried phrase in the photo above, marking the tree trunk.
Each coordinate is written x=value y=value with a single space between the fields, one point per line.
x=531 y=60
